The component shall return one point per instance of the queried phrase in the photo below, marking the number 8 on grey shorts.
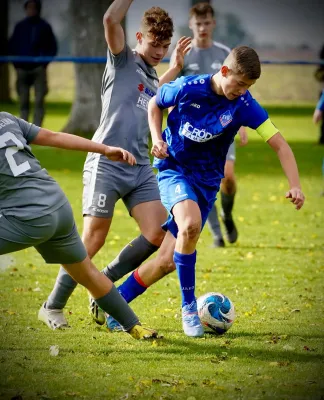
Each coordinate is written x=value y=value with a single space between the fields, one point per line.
x=104 y=184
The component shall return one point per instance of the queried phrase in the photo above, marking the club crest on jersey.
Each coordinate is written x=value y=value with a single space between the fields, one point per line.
x=226 y=118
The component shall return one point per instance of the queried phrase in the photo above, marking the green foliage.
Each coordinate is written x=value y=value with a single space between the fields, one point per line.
x=274 y=276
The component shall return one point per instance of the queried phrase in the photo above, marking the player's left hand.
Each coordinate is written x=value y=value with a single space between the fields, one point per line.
x=181 y=49
x=297 y=197
x=119 y=154
x=243 y=136
x=160 y=149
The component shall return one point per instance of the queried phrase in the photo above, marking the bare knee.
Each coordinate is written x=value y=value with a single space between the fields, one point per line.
x=190 y=230
x=229 y=185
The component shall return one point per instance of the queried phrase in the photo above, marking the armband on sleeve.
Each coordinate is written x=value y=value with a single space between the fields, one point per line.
x=266 y=130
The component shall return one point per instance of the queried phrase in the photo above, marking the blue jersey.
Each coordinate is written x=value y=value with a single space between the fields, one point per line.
x=202 y=126
x=320 y=104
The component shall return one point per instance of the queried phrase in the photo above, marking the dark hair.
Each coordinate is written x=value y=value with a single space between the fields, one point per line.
x=157 y=23
x=245 y=61
x=201 y=10
x=37 y=2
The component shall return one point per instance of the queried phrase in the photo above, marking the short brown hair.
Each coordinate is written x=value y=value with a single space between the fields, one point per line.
x=245 y=61
x=157 y=23
x=201 y=10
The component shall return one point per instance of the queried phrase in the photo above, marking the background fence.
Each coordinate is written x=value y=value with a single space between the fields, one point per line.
x=282 y=82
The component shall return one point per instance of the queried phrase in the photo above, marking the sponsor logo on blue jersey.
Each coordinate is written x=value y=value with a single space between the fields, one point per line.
x=195 y=134
x=226 y=118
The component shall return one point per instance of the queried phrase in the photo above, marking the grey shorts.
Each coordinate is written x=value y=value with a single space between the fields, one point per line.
x=54 y=236
x=104 y=184
x=231 y=156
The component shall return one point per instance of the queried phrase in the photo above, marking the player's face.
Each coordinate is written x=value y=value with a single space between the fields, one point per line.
x=202 y=27
x=151 y=50
x=235 y=85
x=31 y=9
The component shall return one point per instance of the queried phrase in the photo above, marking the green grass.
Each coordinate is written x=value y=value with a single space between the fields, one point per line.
x=274 y=276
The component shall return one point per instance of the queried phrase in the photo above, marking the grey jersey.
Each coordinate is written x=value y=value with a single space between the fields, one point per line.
x=26 y=189
x=128 y=84
x=205 y=61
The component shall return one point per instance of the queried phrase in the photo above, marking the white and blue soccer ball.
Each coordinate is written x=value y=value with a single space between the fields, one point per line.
x=216 y=312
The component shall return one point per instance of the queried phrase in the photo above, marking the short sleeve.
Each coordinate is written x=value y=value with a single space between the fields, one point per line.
x=169 y=94
x=257 y=118
x=119 y=60
x=29 y=131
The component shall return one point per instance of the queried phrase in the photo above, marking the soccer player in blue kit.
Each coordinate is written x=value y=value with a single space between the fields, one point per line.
x=190 y=155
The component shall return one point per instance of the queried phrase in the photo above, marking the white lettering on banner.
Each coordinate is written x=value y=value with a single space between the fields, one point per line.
x=195 y=134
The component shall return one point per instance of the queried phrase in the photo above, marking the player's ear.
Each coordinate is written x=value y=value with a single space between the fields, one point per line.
x=224 y=70
x=139 y=37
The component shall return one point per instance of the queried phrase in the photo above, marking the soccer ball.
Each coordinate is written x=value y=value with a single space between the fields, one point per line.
x=216 y=312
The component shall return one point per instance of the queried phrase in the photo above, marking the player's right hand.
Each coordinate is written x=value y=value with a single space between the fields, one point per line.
x=119 y=154
x=160 y=149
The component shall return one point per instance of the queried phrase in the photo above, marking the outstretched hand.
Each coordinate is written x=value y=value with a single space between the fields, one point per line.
x=160 y=149
x=297 y=197
x=181 y=49
x=119 y=154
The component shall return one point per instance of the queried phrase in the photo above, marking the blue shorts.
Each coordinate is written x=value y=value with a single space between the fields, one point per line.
x=176 y=187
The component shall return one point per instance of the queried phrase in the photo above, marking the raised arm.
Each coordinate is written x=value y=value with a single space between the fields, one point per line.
x=288 y=163
x=114 y=33
x=177 y=60
x=67 y=141
x=155 y=119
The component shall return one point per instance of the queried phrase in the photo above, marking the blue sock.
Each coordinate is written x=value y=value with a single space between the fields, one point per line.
x=132 y=287
x=185 y=264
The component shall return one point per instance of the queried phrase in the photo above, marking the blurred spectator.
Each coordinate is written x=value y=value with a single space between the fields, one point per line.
x=33 y=37
x=318 y=113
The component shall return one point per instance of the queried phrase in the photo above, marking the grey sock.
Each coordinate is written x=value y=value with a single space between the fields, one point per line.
x=63 y=288
x=227 y=204
x=130 y=258
x=213 y=223
x=115 y=305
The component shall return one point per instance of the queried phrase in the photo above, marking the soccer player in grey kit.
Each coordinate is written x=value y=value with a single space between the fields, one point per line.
x=34 y=212
x=129 y=82
x=205 y=57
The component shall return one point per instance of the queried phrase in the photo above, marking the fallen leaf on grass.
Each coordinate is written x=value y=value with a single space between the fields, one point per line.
x=54 y=350
x=306 y=348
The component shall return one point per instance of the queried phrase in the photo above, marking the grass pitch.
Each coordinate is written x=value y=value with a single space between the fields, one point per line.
x=274 y=276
